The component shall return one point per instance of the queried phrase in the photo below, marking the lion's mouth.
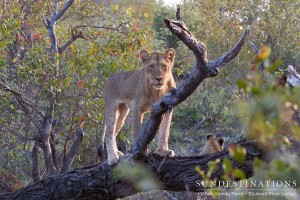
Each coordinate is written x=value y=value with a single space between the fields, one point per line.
x=158 y=85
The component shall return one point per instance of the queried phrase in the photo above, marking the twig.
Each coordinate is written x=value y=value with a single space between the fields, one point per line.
x=163 y=161
x=24 y=36
x=262 y=67
x=45 y=21
x=49 y=9
x=104 y=27
x=229 y=55
x=178 y=17
x=21 y=136
x=74 y=37
x=19 y=96
x=63 y=10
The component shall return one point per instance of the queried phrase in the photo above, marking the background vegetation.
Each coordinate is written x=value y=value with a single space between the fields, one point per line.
x=114 y=32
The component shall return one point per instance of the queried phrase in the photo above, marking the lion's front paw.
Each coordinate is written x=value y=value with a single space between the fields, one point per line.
x=120 y=153
x=167 y=152
x=112 y=159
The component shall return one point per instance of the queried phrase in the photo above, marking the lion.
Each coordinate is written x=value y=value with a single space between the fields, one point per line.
x=137 y=90
x=212 y=145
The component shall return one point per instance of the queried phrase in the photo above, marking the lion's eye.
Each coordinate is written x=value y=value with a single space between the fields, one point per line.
x=151 y=66
x=164 y=67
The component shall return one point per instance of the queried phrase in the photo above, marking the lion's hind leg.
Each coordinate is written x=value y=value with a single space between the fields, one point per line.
x=163 y=138
x=111 y=144
x=123 y=112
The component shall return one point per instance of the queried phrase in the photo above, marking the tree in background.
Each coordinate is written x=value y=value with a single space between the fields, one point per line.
x=55 y=57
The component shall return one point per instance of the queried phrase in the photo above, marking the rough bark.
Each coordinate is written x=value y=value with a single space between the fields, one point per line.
x=35 y=171
x=293 y=77
x=68 y=159
x=45 y=134
x=97 y=182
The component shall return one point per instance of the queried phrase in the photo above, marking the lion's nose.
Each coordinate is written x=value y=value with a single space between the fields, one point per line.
x=158 y=79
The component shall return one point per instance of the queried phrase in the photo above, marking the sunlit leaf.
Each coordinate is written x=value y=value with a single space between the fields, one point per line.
x=227 y=166
x=80 y=84
x=237 y=152
x=241 y=84
x=264 y=52
x=238 y=174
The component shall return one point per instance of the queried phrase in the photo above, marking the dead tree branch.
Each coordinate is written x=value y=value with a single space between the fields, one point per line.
x=59 y=14
x=73 y=38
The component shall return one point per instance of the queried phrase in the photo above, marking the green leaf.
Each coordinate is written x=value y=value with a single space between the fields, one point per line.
x=238 y=174
x=115 y=8
x=212 y=166
x=227 y=166
x=241 y=84
x=274 y=67
x=279 y=165
x=83 y=73
x=128 y=12
x=139 y=175
x=257 y=163
x=237 y=152
x=198 y=169
x=179 y=72
x=255 y=90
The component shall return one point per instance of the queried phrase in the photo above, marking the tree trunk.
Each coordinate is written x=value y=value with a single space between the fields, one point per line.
x=45 y=134
x=68 y=159
x=35 y=171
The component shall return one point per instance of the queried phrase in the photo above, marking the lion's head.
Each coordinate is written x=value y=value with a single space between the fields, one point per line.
x=158 y=67
x=213 y=144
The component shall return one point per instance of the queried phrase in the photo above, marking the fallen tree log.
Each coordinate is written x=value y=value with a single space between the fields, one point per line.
x=97 y=182
x=174 y=174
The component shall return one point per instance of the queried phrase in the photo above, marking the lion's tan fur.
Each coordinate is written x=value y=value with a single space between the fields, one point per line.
x=212 y=145
x=137 y=90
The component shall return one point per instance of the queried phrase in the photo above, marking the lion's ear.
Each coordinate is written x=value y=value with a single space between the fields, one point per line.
x=170 y=54
x=221 y=141
x=144 y=55
x=209 y=136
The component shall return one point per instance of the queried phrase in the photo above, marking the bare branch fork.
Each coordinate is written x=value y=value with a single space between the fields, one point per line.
x=75 y=36
x=50 y=25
